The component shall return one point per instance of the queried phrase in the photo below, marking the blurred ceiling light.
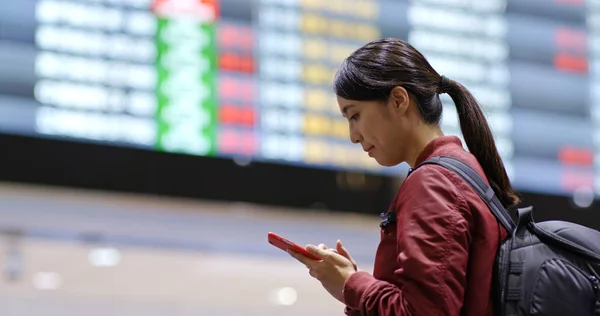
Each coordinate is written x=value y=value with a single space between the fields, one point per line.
x=242 y=161
x=47 y=280
x=583 y=197
x=104 y=257
x=286 y=296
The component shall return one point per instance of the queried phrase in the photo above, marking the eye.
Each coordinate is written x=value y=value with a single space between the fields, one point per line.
x=354 y=117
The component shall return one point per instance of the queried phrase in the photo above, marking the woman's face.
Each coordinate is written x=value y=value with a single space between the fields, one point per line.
x=381 y=128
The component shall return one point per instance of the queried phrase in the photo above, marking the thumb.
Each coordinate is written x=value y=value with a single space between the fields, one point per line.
x=341 y=249
x=344 y=252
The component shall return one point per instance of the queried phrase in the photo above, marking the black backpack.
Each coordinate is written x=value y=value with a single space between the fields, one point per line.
x=549 y=268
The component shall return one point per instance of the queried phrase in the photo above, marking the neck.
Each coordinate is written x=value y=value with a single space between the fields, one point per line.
x=422 y=137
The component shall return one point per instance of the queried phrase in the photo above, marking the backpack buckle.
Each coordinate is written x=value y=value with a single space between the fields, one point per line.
x=388 y=218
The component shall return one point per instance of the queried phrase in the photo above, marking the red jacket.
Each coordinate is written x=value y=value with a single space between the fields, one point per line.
x=438 y=259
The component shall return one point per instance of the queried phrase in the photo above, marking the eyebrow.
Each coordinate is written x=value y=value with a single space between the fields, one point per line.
x=346 y=108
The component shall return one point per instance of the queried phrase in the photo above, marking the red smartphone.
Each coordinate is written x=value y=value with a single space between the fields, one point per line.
x=286 y=245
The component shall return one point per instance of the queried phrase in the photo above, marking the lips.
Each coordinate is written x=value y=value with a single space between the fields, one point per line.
x=368 y=150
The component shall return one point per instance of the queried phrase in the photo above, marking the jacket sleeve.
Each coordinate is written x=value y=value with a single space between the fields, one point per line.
x=433 y=238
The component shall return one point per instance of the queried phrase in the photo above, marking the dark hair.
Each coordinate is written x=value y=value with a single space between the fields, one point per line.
x=372 y=71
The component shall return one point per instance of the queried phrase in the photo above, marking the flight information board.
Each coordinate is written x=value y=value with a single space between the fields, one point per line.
x=252 y=79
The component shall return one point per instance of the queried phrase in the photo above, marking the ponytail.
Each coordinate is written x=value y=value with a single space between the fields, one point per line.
x=479 y=140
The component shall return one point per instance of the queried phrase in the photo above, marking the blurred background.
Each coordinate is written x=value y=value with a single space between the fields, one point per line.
x=148 y=146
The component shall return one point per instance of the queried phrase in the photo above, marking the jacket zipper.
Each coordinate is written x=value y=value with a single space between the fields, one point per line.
x=596 y=287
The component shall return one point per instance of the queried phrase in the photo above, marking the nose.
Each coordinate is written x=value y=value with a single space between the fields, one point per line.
x=355 y=135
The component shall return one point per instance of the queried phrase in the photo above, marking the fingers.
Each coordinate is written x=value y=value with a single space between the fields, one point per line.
x=323 y=252
x=303 y=259
x=329 y=255
x=324 y=247
x=317 y=251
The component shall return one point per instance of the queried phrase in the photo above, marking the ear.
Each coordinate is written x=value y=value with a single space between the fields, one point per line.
x=399 y=99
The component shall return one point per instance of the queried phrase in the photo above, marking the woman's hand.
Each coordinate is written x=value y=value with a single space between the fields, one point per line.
x=340 y=249
x=333 y=270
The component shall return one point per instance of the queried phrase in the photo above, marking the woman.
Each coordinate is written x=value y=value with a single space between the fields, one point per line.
x=438 y=256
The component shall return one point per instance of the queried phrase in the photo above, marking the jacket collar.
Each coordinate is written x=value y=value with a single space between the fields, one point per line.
x=436 y=147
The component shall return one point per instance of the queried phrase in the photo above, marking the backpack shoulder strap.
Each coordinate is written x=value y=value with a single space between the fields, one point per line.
x=478 y=184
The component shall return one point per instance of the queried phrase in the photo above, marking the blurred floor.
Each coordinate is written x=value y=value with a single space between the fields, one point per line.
x=91 y=253
x=58 y=279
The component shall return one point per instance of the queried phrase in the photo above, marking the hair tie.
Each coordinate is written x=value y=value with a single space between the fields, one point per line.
x=444 y=85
